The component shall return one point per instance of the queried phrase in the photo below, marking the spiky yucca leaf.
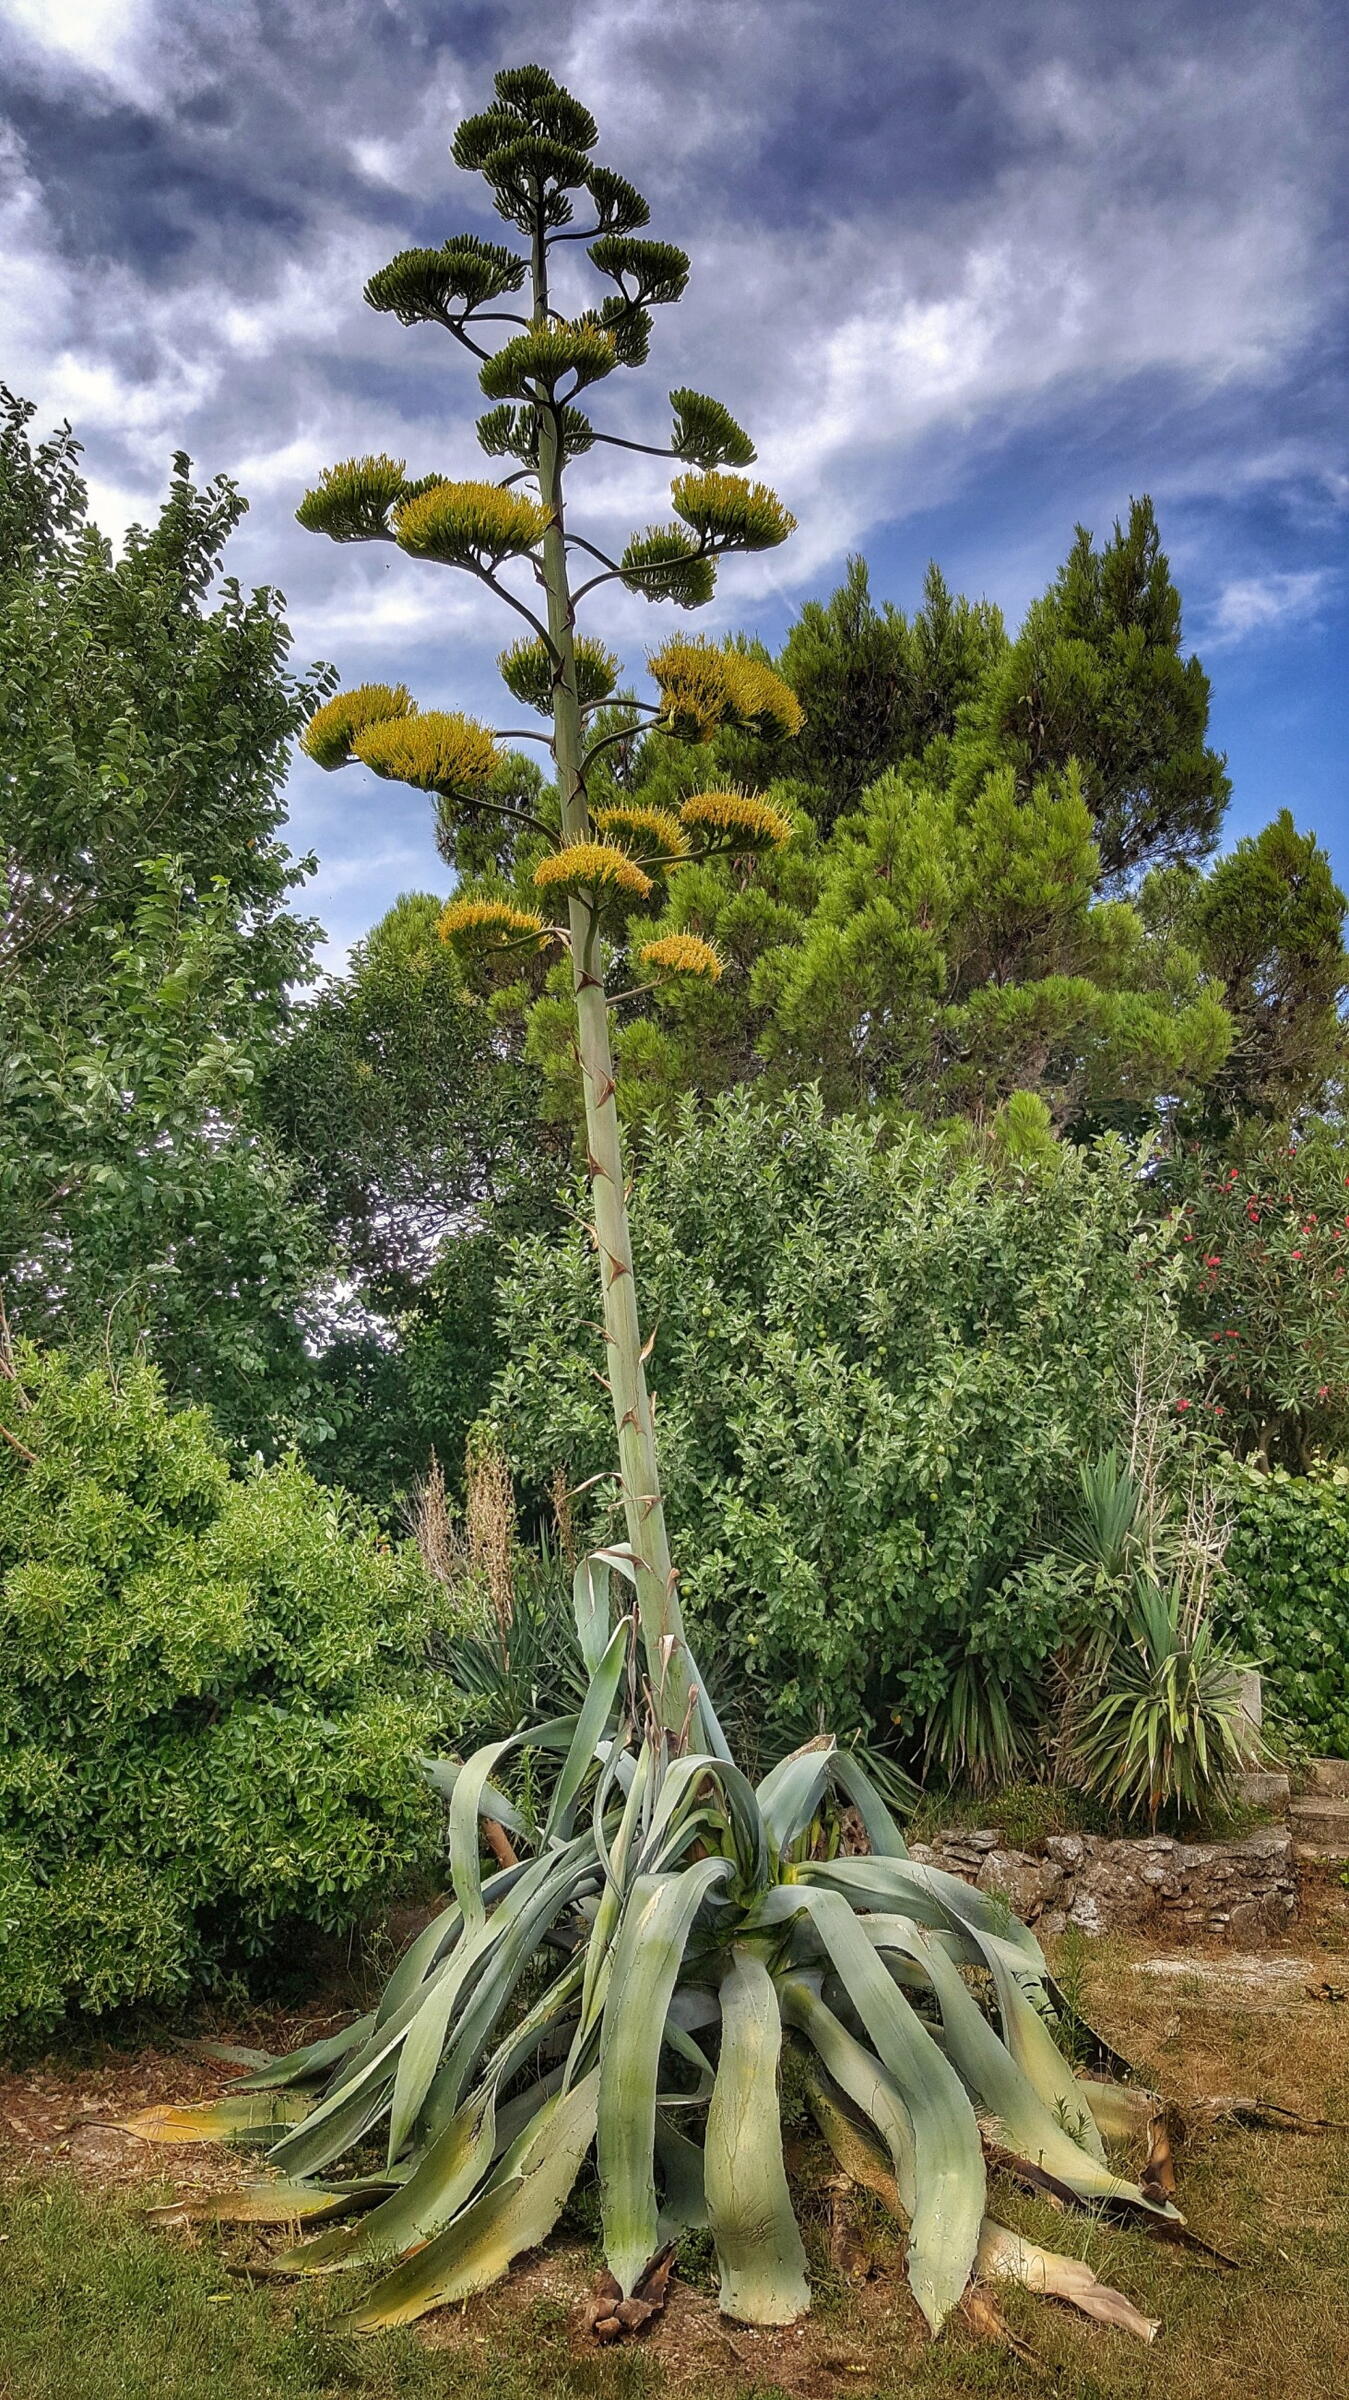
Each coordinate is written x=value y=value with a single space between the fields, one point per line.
x=329 y=736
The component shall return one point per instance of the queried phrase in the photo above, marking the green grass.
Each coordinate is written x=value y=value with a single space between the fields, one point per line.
x=95 y=2305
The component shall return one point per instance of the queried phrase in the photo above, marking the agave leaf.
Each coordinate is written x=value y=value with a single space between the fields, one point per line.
x=315 y=2059
x=517 y=2211
x=1034 y=2048
x=656 y=1925
x=491 y=1958
x=949 y=2181
x=791 y=1792
x=596 y=1711
x=862 y=2078
x=855 y=2148
x=1120 y=2111
x=1032 y=2131
x=1008 y=2257
x=238 y=2117
x=881 y=1830
x=333 y=2127
x=493 y=1988
x=741 y=1808
x=759 y=2248
x=713 y=1739
x=275 y=2203
x=226 y=2054
x=444 y=1773
x=927 y=1894
x=684 y=2198
x=445 y=2177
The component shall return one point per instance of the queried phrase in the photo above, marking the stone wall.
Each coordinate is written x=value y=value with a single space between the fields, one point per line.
x=1241 y=1892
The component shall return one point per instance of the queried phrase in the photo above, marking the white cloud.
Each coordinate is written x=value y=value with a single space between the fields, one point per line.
x=1252 y=603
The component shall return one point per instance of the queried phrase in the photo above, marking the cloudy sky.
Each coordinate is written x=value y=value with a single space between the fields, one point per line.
x=970 y=272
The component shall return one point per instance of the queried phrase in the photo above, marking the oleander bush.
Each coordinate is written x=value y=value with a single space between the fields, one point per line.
x=212 y=1698
x=878 y=1369
x=1287 y=1592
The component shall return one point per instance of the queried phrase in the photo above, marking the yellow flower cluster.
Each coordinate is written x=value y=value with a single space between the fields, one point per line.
x=435 y=752
x=331 y=731
x=527 y=670
x=703 y=687
x=682 y=954
x=488 y=924
x=729 y=509
x=635 y=823
x=470 y=524
x=738 y=821
x=592 y=867
x=760 y=697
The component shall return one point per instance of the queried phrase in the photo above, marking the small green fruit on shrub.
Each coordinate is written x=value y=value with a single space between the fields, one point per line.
x=211 y=1699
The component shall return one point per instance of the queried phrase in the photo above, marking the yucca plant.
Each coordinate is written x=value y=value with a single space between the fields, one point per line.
x=1153 y=1721
x=621 y=1981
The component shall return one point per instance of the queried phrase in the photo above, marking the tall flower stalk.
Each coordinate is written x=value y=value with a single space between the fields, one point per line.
x=675 y=1923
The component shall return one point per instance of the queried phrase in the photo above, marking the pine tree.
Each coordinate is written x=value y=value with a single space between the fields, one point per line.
x=1096 y=675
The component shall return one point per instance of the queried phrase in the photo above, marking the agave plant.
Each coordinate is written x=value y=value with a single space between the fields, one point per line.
x=1153 y=1718
x=622 y=1979
x=686 y=1918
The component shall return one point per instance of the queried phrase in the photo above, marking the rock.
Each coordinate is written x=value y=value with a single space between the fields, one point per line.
x=1026 y=1884
x=1263 y=1787
x=1085 y=1914
x=1067 y=1849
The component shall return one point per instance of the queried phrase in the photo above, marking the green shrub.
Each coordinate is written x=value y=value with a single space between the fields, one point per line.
x=211 y=1699
x=1287 y=1593
x=875 y=1369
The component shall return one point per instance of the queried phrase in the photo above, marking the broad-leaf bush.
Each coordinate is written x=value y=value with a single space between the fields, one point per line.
x=876 y=1369
x=211 y=1698
x=1287 y=1593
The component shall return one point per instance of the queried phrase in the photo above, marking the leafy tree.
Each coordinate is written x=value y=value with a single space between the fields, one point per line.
x=708 y=1903
x=147 y=948
x=1264 y=1230
x=940 y=934
x=876 y=688
x=137 y=720
x=140 y=1201
x=415 y=1137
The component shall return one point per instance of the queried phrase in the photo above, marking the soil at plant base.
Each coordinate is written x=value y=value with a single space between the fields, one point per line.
x=1206 y=2024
